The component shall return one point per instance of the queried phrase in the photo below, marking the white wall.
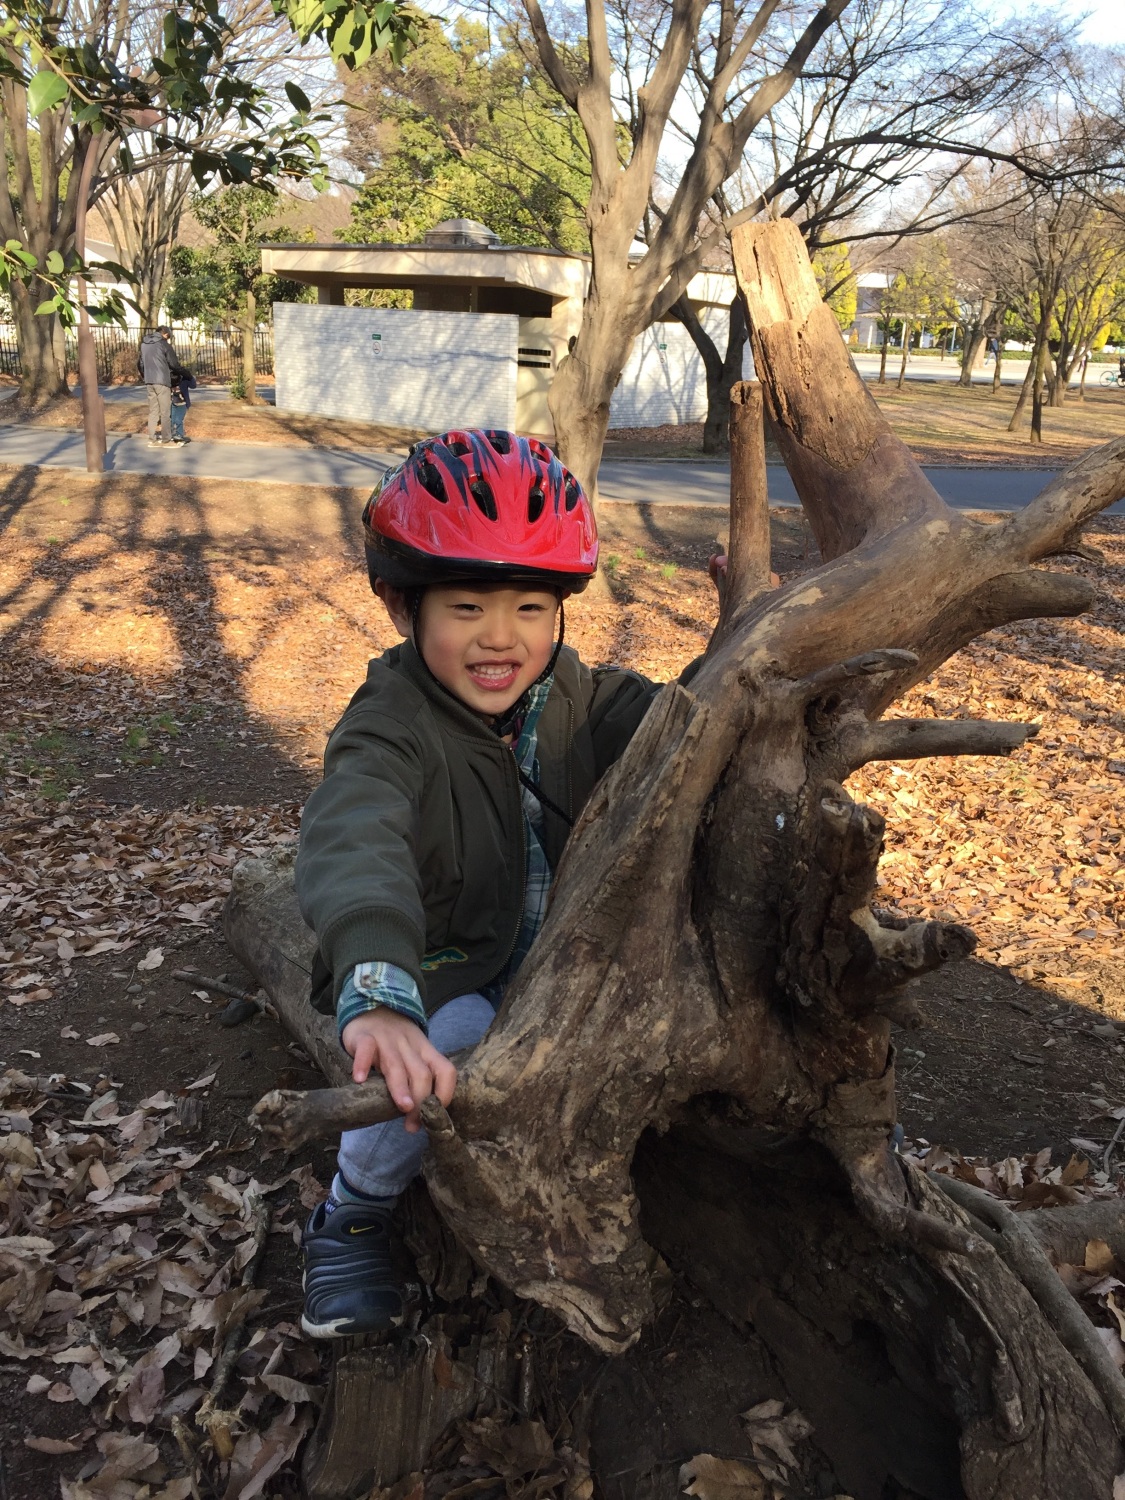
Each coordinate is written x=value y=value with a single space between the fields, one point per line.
x=408 y=369
x=663 y=380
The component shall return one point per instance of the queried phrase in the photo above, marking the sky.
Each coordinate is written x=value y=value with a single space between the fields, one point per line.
x=1106 y=24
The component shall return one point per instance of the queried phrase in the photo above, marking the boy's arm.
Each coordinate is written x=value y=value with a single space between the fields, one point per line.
x=357 y=877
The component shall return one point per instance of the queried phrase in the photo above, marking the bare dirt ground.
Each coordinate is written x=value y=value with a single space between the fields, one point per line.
x=943 y=424
x=172 y=657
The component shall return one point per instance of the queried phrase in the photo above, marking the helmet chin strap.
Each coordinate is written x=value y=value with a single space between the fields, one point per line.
x=504 y=723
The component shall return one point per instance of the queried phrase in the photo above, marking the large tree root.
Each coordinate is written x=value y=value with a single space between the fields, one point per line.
x=939 y=1373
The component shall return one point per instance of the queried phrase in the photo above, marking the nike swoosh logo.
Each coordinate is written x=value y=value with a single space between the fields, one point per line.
x=362 y=1228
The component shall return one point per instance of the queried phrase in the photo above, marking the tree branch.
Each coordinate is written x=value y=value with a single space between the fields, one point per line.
x=557 y=71
x=1024 y=1254
x=910 y=739
x=1049 y=522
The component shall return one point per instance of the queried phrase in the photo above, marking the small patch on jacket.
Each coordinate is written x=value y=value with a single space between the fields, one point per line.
x=439 y=957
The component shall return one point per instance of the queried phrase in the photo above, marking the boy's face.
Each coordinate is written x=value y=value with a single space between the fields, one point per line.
x=486 y=644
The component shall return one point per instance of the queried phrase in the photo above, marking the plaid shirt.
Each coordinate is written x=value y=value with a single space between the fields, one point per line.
x=371 y=985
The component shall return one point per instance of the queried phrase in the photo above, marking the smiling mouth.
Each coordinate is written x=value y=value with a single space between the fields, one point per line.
x=494 y=676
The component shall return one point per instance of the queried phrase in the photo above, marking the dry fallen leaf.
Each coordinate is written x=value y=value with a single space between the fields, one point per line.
x=711 y=1478
x=772 y=1436
x=1099 y=1258
x=103 y=1039
x=54 y=1446
x=152 y=959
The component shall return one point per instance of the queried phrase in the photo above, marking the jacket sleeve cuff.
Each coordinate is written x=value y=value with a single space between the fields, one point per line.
x=373 y=985
x=352 y=940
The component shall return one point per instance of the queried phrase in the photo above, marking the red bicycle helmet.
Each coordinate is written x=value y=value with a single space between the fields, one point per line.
x=482 y=505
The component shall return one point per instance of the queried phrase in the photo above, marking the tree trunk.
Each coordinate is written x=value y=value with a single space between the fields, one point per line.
x=883 y=357
x=247 y=323
x=1025 y=388
x=581 y=392
x=722 y=372
x=975 y=335
x=996 y=374
x=905 y=355
x=1040 y=369
x=695 y=1059
x=43 y=373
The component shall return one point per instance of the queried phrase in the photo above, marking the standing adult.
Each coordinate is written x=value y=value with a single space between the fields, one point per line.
x=159 y=366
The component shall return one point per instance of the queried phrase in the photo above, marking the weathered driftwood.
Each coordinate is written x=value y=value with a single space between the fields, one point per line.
x=696 y=1057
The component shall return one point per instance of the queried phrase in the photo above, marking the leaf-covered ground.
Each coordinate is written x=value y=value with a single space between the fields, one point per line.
x=944 y=424
x=172 y=654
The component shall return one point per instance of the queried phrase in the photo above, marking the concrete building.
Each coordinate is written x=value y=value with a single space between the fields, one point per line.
x=425 y=366
x=870 y=286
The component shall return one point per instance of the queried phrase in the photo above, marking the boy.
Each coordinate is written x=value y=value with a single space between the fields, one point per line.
x=183 y=383
x=450 y=786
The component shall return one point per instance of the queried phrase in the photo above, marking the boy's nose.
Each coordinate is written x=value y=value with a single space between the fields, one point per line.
x=498 y=633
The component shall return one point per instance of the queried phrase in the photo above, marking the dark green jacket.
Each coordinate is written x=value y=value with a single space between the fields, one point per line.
x=412 y=847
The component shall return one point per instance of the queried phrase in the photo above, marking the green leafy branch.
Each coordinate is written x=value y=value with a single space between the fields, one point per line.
x=56 y=274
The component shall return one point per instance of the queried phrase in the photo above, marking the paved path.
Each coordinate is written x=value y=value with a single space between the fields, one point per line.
x=668 y=481
x=660 y=481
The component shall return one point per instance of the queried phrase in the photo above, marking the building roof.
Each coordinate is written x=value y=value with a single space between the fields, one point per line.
x=557 y=273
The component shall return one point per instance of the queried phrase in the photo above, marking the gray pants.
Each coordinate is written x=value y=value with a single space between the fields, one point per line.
x=382 y=1160
x=159 y=411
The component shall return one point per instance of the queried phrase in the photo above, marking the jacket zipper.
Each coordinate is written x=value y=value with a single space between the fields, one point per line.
x=523 y=864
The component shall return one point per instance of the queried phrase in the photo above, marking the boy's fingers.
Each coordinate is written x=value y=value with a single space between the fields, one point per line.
x=421 y=1082
x=445 y=1079
x=398 y=1086
x=362 y=1058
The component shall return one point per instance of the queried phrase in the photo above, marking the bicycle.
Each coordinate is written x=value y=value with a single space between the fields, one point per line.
x=1112 y=377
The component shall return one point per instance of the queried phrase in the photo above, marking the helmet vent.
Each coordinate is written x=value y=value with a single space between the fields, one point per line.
x=481 y=491
x=432 y=481
x=501 y=442
x=573 y=490
x=535 y=503
x=460 y=447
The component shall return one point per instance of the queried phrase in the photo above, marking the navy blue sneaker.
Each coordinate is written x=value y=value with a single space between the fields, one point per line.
x=350 y=1283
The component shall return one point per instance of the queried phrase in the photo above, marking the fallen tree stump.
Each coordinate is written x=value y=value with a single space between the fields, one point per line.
x=694 y=1066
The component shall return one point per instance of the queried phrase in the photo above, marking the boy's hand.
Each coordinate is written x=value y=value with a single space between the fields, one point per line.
x=411 y=1067
x=717 y=567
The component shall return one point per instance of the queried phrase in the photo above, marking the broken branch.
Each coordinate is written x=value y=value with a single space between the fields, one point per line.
x=288 y=1118
x=911 y=739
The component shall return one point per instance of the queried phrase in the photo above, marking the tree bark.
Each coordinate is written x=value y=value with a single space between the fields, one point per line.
x=906 y=331
x=695 y=1059
x=721 y=371
x=975 y=336
x=247 y=323
x=43 y=374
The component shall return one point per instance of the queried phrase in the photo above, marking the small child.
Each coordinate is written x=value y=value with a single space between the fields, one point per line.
x=450 y=786
x=183 y=382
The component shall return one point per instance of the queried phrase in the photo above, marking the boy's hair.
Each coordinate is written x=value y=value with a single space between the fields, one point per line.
x=480 y=506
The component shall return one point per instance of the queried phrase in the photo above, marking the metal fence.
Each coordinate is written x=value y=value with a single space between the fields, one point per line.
x=9 y=354
x=215 y=355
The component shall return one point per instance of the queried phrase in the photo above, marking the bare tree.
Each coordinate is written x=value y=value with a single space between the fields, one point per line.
x=870 y=141
x=639 y=63
x=696 y=1056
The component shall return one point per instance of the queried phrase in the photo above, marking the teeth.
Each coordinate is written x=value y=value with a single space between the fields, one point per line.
x=483 y=671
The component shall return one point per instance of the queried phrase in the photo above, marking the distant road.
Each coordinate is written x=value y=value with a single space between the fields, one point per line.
x=655 y=481
x=670 y=482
